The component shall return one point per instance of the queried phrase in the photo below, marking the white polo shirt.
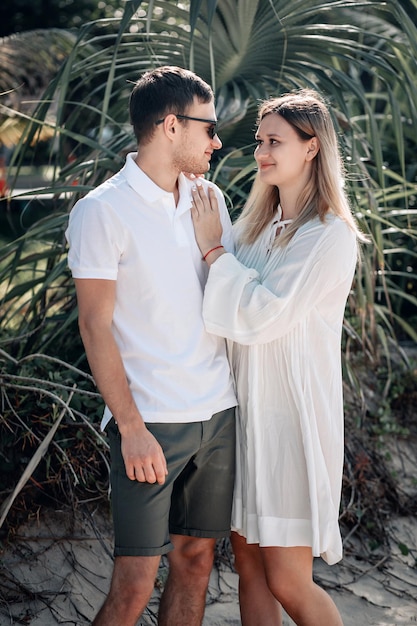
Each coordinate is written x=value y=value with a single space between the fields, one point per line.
x=129 y=230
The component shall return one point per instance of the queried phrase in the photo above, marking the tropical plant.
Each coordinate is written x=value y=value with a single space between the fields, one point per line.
x=360 y=60
x=361 y=54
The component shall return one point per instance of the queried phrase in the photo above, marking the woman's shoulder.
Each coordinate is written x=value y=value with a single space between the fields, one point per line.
x=329 y=237
x=330 y=225
x=339 y=226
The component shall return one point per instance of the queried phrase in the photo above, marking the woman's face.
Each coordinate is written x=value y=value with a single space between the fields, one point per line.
x=283 y=158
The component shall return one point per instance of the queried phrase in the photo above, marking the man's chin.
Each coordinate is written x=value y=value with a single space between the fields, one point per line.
x=200 y=171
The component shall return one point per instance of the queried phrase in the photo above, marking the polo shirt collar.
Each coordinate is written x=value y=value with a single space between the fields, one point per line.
x=140 y=182
x=184 y=188
x=150 y=191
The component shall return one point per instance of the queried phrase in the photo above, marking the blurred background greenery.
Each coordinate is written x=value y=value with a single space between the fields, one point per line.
x=66 y=70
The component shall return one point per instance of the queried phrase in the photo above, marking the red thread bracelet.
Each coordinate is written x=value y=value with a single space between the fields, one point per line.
x=210 y=251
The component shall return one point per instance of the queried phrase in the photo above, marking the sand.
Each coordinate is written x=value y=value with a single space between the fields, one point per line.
x=57 y=569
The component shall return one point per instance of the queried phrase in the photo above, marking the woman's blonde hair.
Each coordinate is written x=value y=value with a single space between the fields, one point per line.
x=307 y=113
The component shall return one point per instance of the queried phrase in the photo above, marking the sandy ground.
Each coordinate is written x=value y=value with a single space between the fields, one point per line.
x=57 y=572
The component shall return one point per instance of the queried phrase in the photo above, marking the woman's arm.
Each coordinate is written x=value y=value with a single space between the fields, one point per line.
x=242 y=306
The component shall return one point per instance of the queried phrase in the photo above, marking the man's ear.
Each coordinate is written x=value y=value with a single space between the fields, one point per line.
x=313 y=148
x=171 y=126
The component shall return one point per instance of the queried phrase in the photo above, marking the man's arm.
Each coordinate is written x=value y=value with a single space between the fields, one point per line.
x=142 y=454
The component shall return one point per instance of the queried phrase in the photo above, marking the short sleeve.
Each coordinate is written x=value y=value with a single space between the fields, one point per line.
x=96 y=240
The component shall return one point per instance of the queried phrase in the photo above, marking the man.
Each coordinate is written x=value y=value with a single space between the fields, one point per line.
x=166 y=383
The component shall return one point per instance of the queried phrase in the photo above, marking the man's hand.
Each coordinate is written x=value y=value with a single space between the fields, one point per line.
x=143 y=456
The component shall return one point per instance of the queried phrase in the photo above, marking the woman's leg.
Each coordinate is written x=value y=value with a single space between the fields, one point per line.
x=289 y=572
x=258 y=607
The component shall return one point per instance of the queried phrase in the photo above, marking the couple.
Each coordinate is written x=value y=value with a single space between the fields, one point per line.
x=150 y=249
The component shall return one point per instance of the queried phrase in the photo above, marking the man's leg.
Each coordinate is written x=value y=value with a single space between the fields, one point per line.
x=130 y=590
x=200 y=513
x=141 y=535
x=184 y=598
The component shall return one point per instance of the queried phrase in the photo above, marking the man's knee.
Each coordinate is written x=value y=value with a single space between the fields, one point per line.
x=192 y=555
x=134 y=577
x=131 y=587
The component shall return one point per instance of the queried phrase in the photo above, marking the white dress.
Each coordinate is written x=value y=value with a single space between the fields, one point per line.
x=283 y=311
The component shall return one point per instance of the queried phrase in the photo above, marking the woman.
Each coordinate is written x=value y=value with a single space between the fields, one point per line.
x=280 y=301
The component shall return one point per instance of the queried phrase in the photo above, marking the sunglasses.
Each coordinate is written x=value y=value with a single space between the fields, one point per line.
x=213 y=123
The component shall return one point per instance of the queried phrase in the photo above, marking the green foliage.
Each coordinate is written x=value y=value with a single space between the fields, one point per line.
x=24 y=15
x=360 y=55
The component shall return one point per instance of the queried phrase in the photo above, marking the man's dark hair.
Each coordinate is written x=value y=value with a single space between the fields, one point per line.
x=161 y=91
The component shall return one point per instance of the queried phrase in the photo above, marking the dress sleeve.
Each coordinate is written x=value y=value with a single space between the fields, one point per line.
x=240 y=306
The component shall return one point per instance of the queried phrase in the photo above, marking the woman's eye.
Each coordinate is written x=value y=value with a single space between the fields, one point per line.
x=271 y=142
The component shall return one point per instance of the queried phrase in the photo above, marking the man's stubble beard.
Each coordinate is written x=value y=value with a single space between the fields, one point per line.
x=186 y=161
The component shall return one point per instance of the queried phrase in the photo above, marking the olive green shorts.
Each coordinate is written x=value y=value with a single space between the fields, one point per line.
x=196 y=498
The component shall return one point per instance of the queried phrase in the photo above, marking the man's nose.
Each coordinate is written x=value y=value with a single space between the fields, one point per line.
x=216 y=142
